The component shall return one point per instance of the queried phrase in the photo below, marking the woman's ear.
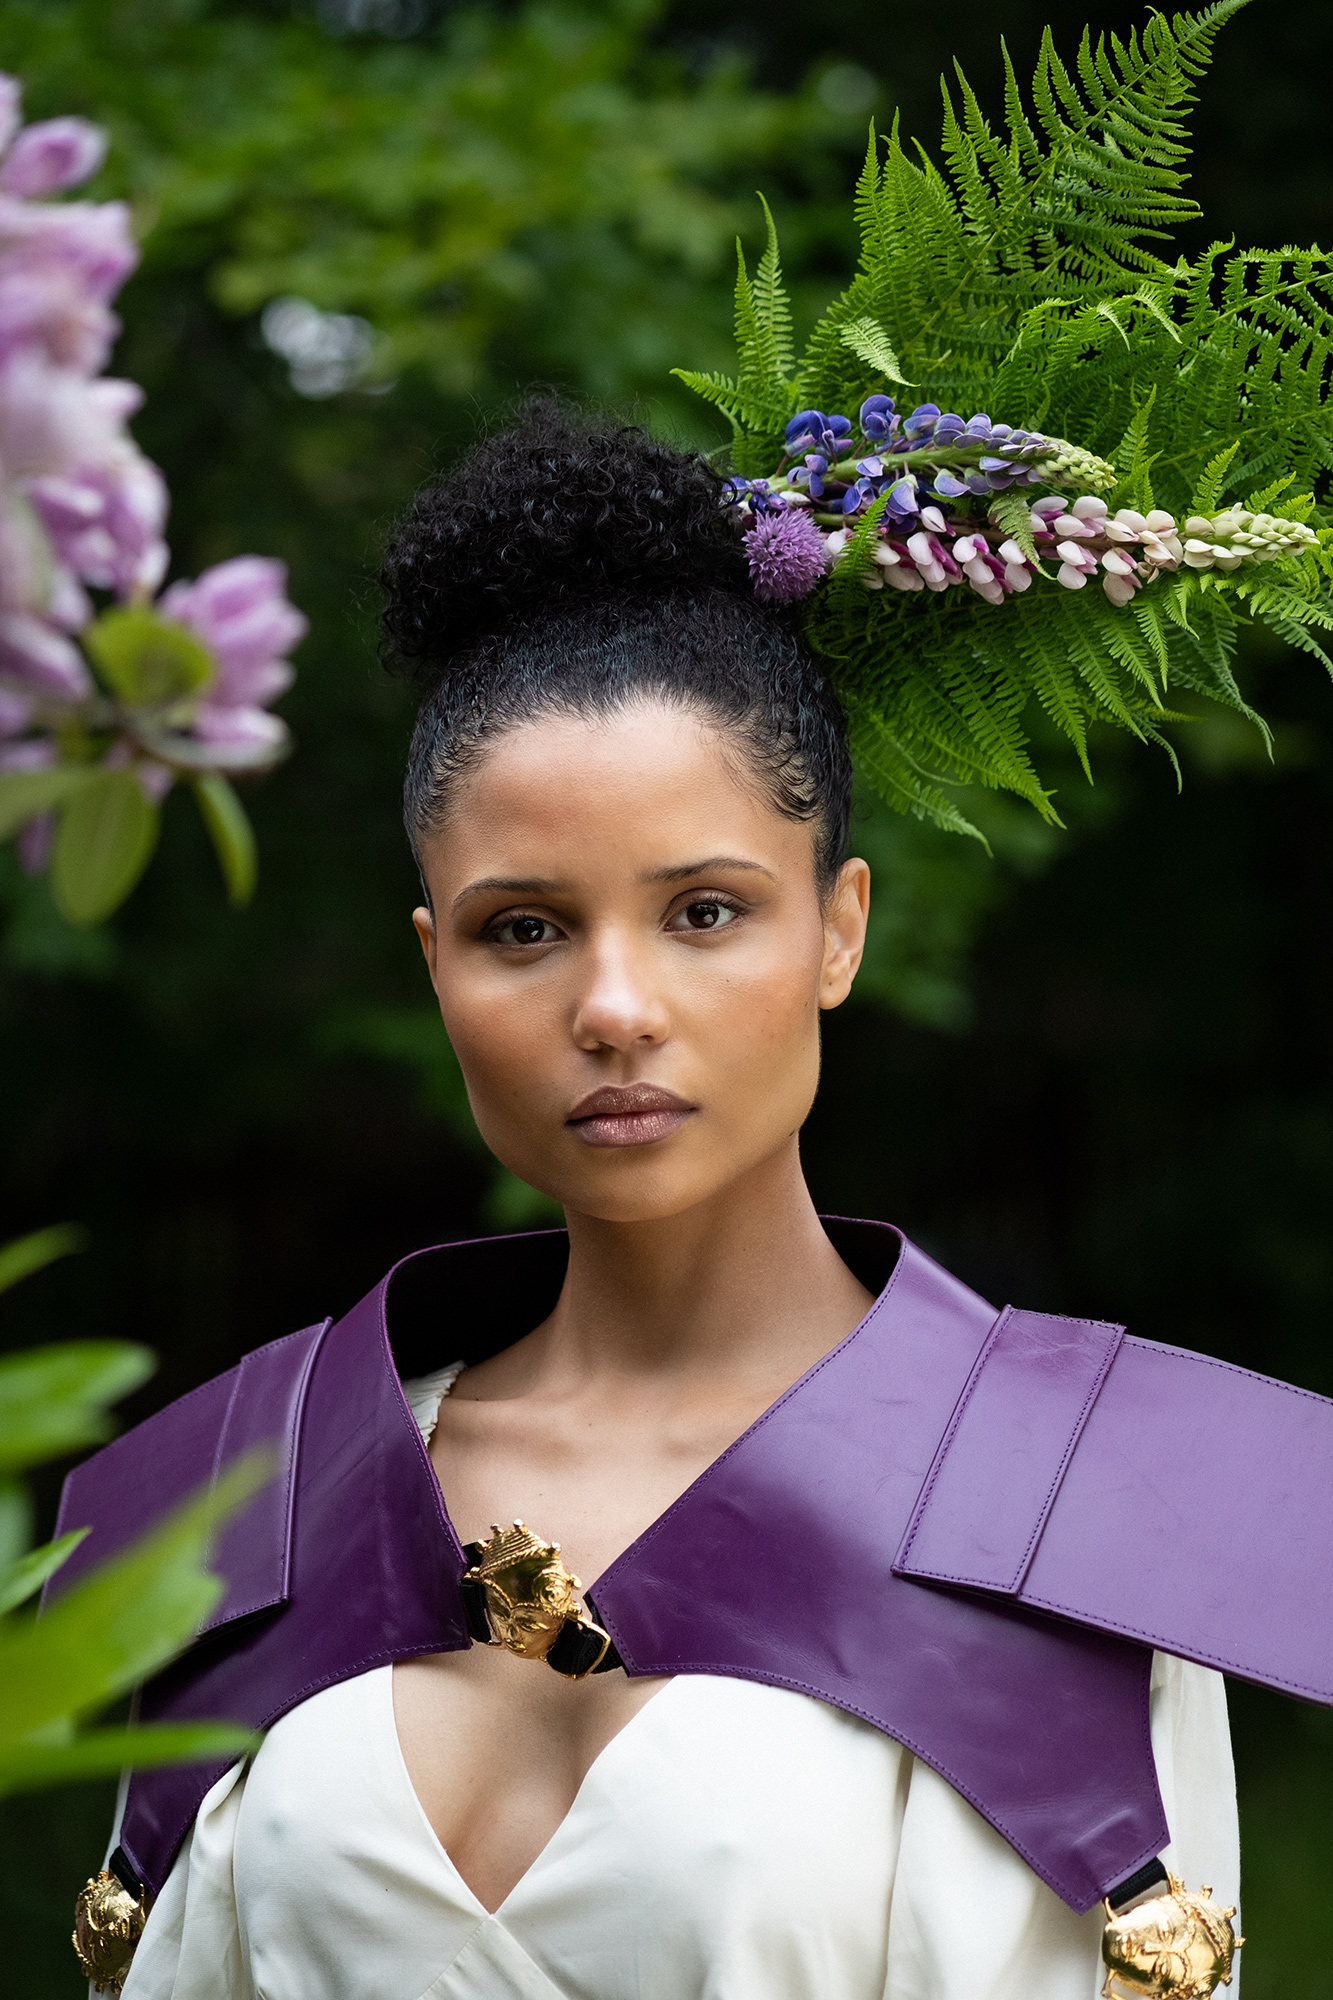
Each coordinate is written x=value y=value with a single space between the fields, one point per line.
x=845 y=917
x=423 y=923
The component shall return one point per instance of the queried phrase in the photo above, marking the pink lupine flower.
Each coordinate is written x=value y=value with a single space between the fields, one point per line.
x=57 y=154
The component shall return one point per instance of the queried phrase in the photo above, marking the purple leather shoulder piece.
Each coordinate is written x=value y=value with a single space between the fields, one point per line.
x=776 y=1566
x=374 y=1565
x=1192 y=1511
x=127 y=1487
x=1007 y=1448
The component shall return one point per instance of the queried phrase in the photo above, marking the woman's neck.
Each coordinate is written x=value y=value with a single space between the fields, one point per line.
x=745 y=1285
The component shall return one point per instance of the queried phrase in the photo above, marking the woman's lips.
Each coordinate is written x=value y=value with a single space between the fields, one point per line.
x=630 y=1114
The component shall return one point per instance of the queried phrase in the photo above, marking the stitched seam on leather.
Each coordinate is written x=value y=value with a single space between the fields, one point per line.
x=1103 y=1370
x=287 y=1471
x=942 y=1450
x=650 y=1534
x=1155 y=1349
x=1161 y=1644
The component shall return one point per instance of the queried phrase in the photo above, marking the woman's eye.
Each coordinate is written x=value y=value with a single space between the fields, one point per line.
x=524 y=931
x=706 y=915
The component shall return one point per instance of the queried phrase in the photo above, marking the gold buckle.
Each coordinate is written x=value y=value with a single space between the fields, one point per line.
x=529 y=1594
x=1179 y=1944
x=108 y=1923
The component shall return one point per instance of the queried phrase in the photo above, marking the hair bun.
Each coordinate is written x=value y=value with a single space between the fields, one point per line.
x=543 y=517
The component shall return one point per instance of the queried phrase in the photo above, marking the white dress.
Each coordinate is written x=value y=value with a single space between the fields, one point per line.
x=733 y=1842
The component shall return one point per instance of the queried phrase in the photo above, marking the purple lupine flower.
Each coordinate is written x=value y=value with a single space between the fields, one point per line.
x=787 y=557
x=904 y=502
x=239 y=610
x=812 y=431
x=919 y=427
x=50 y=157
x=810 y=475
x=876 y=418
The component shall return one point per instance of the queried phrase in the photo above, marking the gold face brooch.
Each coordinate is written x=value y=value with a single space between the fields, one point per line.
x=1177 y=1945
x=526 y=1597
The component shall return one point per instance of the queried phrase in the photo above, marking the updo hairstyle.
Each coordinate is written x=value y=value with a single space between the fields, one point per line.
x=567 y=568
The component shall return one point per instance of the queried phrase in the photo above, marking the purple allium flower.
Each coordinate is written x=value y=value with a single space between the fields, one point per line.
x=876 y=418
x=50 y=157
x=239 y=610
x=813 y=431
x=787 y=557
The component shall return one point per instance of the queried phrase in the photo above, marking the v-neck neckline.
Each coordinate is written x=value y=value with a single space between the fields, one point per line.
x=646 y=1534
x=390 y=1721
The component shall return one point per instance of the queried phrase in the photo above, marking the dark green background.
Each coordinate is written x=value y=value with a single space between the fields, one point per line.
x=1091 y=1075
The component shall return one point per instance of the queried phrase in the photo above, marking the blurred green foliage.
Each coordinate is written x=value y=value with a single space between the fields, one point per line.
x=1106 y=1084
x=123 y=1620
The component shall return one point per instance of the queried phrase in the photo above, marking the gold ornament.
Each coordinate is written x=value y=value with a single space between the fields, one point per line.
x=1179 y=1944
x=108 y=1922
x=529 y=1593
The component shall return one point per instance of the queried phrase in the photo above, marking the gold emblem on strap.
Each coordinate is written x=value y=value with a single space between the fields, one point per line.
x=1175 y=1946
x=108 y=1922
x=529 y=1593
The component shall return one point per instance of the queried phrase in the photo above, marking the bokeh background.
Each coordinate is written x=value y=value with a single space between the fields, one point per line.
x=1092 y=1073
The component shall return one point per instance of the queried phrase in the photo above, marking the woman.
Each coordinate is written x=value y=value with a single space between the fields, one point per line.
x=628 y=795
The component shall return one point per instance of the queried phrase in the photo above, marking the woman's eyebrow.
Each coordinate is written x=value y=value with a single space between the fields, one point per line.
x=713 y=861
x=508 y=885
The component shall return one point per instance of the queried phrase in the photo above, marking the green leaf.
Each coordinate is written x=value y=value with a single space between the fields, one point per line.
x=1208 y=493
x=27 y=1254
x=25 y=794
x=868 y=342
x=120 y=1623
x=1013 y=513
x=100 y=1753
x=24 y=1578
x=231 y=833
x=147 y=660
x=54 y=1399
x=106 y=835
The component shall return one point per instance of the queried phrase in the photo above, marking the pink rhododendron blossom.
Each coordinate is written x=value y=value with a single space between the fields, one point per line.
x=50 y=157
x=240 y=611
x=11 y=99
x=82 y=514
x=42 y=659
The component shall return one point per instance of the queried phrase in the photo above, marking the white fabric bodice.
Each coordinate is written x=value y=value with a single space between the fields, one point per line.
x=733 y=1842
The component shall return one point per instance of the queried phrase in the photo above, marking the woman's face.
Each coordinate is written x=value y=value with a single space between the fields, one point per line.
x=630 y=957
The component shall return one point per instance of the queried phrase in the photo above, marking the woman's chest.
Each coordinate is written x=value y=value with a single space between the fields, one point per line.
x=730 y=1838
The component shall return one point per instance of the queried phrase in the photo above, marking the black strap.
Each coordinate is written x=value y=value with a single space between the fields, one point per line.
x=119 y=1866
x=1148 y=1877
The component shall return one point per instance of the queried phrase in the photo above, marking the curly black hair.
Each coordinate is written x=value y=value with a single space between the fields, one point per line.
x=565 y=566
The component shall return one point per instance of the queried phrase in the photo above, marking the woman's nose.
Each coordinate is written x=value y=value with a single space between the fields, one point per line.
x=620 y=1001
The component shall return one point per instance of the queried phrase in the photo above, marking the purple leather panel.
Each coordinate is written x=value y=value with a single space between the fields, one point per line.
x=374 y=1577
x=1000 y=1465
x=1197 y=1515
x=776 y=1566
x=125 y=1489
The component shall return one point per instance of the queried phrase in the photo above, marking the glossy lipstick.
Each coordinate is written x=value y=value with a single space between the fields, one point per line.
x=628 y=1114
